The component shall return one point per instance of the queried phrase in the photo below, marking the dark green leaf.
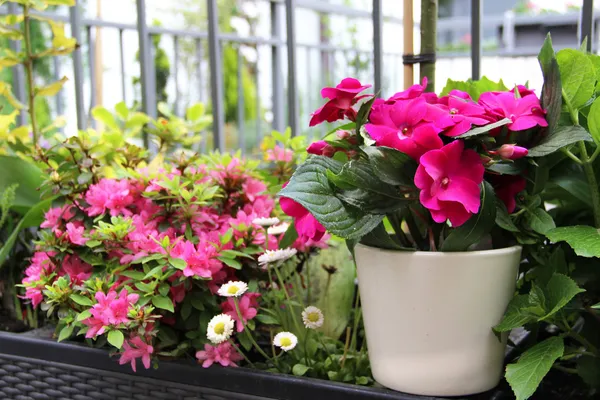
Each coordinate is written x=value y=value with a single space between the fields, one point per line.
x=540 y=221
x=546 y=55
x=559 y=291
x=380 y=238
x=363 y=114
x=585 y=240
x=290 y=237
x=588 y=368
x=559 y=138
x=503 y=220
x=154 y=272
x=116 y=338
x=267 y=319
x=300 y=369
x=391 y=165
x=552 y=90
x=516 y=314
x=137 y=275
x=231 y=262
x=81 y=300
x=472 y=231
x=525 y=376
x=539 y=174
x=507 y=168
x=310 y=187
x=484 y=129
x=163 y=302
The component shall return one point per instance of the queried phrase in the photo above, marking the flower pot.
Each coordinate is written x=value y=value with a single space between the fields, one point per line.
x=429 y=316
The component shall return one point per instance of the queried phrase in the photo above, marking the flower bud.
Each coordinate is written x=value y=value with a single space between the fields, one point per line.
x=511 y=151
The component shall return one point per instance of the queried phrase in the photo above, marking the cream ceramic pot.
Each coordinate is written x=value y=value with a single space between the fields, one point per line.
x=429 y=316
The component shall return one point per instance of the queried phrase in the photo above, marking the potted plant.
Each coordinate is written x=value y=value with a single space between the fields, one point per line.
x=430 y=192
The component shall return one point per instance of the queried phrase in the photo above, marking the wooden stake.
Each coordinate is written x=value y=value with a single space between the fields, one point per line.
x=99 y=75
x=408 y=26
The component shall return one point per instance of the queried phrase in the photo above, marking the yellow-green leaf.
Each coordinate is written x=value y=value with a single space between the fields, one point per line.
x=6 y=92
x=52 y=89
x=10 y=33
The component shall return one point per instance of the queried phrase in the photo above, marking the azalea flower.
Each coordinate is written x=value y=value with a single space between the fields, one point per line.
x=265 y=221
x=233 y=289
x=220 y=328
x=278 y=229
x=449 y=180
x=279 y=154
x=109 y=194
x=271 y=256
x=224 y=354
x=312 y=317
x=75 y=234
x=135 y=348
x=247 y=306
x=77 y=269
x=285 y=340
x=342 y=98
x=525 y=112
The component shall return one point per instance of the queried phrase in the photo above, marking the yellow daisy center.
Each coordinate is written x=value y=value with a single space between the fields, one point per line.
x=286 y=342
x=313 y=317
x=233 y=289
x=220 y=328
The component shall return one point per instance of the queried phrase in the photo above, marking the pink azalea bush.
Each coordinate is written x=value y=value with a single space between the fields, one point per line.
x=417 y=156
x=139 y=260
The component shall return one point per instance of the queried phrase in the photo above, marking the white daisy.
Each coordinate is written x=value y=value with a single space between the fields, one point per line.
x=312 y=317
x=285 y=340
x=266 y=221
x=233 y=289
x=220 y=328
x=278 y=229
x=271 y=256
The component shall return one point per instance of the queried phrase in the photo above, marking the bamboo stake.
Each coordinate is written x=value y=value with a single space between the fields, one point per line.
x=428 y=40
x=99 y=75
x=408 y=25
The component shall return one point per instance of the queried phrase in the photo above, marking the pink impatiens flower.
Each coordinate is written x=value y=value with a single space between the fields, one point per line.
x=510 y=152
x=135 y=348
x=457 y=116
x=307 y=226
x=449 y=180
x=403 y=126
x=342 y=98
x=507 y=187
x=224 y=354
x=525 y=112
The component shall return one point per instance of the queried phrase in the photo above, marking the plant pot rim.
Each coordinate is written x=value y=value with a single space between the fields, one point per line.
x=446 y=254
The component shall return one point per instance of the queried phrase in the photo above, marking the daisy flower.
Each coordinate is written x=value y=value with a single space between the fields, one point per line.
x=220 y=328
x=233 y=289
x=266 y=221
x=278 y=229
x=312 y=317
x=285 y=340
x=271 y=256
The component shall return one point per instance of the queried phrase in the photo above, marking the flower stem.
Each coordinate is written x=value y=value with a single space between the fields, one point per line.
x=287 y=296
x=247 y=331
x=241 y=353
x=28 y=65
x=588 y=168
x=357 y=318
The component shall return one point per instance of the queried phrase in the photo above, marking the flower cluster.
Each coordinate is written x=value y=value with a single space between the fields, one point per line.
x=148 y=260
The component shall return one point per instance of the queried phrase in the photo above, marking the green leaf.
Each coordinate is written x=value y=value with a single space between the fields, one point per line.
x=363 y=114
x=588 y=368
x=552 y=90
x=34 y=217
x=379 y=237
x=477 y=226
x=137 y=275
x=267 y=319
x=81 y=300
x=391 y=165
x=231 y=262
x=178 y=263
x=194 y=112
x=310 y=187
x=51 y=89
x=577 y=75
x=299 y=369
x=559 y=291
x=503 y=219
x=559 y=138
x=358 y=186
x=154 y=272
x=540 y=221
x=593 y=120
x=525 y=376
x=585 y=240
x=103 y=115
x=83 y=315
x=136 y=120
x=484 y=129
x=516 y=314
x=122 y=110
x=27 y=175
x=116 y=338
x=546 y=55
x=163 y=302
x=65 y=332
x=289 y=237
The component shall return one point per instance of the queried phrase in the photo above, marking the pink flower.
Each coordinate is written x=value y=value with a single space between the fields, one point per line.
x=510 y=152
x=140 y=349
x=342 y=98
x=307 y=226
x=321 y=148
x=201 y=260
x=411 y=93
x=75 y=233
x=449 y=180
x=523 y=91
x=35 y=295
x=279 y=154
x=55 y=216
x=177 y=293
x=248 y=309
x=524 y=113
x=109 y=194
x=111 y=310
x=457 y=116
x=252 y=188
x=507 y=187
x=77 y=270
x=224 y=354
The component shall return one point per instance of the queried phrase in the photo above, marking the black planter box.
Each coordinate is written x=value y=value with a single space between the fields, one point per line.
x=34 y=368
